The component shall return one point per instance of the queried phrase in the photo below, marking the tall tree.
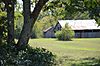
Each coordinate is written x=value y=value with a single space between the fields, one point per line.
x=10 y=17
x=9 y=4
x=29 y=20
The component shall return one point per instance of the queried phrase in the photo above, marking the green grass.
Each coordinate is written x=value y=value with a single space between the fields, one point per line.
x=76 y=48
x=70 y=52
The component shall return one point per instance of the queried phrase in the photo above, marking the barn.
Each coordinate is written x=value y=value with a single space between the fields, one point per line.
x=82 y=28
x=49 y=33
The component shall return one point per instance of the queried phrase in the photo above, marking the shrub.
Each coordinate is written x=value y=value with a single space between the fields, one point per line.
x=65 y=34
x=26 y=56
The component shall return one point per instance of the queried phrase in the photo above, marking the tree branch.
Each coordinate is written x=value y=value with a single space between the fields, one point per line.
x=38 y=7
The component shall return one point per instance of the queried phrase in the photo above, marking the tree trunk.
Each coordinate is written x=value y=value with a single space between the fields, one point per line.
x=29 y=20
x=10 y=21
x=25 y=33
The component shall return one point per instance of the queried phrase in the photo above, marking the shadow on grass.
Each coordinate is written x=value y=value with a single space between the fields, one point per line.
x=69 y=61
x=64 y=40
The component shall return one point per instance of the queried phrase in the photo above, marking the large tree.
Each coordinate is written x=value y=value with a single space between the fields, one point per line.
x=29 y=20
x=9 y=6
x=10 y=17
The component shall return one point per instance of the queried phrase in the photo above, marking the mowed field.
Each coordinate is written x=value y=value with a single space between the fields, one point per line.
x=78 y=48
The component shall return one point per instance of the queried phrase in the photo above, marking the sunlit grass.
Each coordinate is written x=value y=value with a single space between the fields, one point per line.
x=77 y=48
x=71 y=52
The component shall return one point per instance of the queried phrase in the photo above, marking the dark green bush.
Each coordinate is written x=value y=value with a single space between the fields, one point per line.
x=65 y=34
x=26 y=56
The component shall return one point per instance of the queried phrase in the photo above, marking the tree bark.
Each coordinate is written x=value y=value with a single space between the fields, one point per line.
x=10 y=21
x=29 y=21
x=25 y=33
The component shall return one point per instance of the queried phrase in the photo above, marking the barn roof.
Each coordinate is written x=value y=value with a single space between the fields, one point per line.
x=80 y=24
x=47 y=29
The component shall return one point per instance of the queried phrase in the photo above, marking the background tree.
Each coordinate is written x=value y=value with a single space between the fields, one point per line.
x=72 y=9
x=42 y=24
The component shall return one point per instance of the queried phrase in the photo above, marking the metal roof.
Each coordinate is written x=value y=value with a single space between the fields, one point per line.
x=80 y=24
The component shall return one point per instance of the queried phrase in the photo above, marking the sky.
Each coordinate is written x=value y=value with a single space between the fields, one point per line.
x=20 y=1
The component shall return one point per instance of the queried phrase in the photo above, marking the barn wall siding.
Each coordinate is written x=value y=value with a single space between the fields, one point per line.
x=87 y=35
x=49 y=34
x=78 y=34
x=57 y=27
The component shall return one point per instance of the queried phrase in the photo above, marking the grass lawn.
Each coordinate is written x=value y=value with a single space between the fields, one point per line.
x=78 y=48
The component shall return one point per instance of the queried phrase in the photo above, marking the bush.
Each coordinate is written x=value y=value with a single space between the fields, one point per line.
x=26 y=56
x=65 y=33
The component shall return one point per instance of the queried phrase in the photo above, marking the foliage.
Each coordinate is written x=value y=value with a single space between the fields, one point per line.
x=37 y=31
x=18 y=24
x=25 y=56
x=42 y=24
x=3 y=25
x=18 y=7
x=93 y=8
x=65 y=33
x=74 y=9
